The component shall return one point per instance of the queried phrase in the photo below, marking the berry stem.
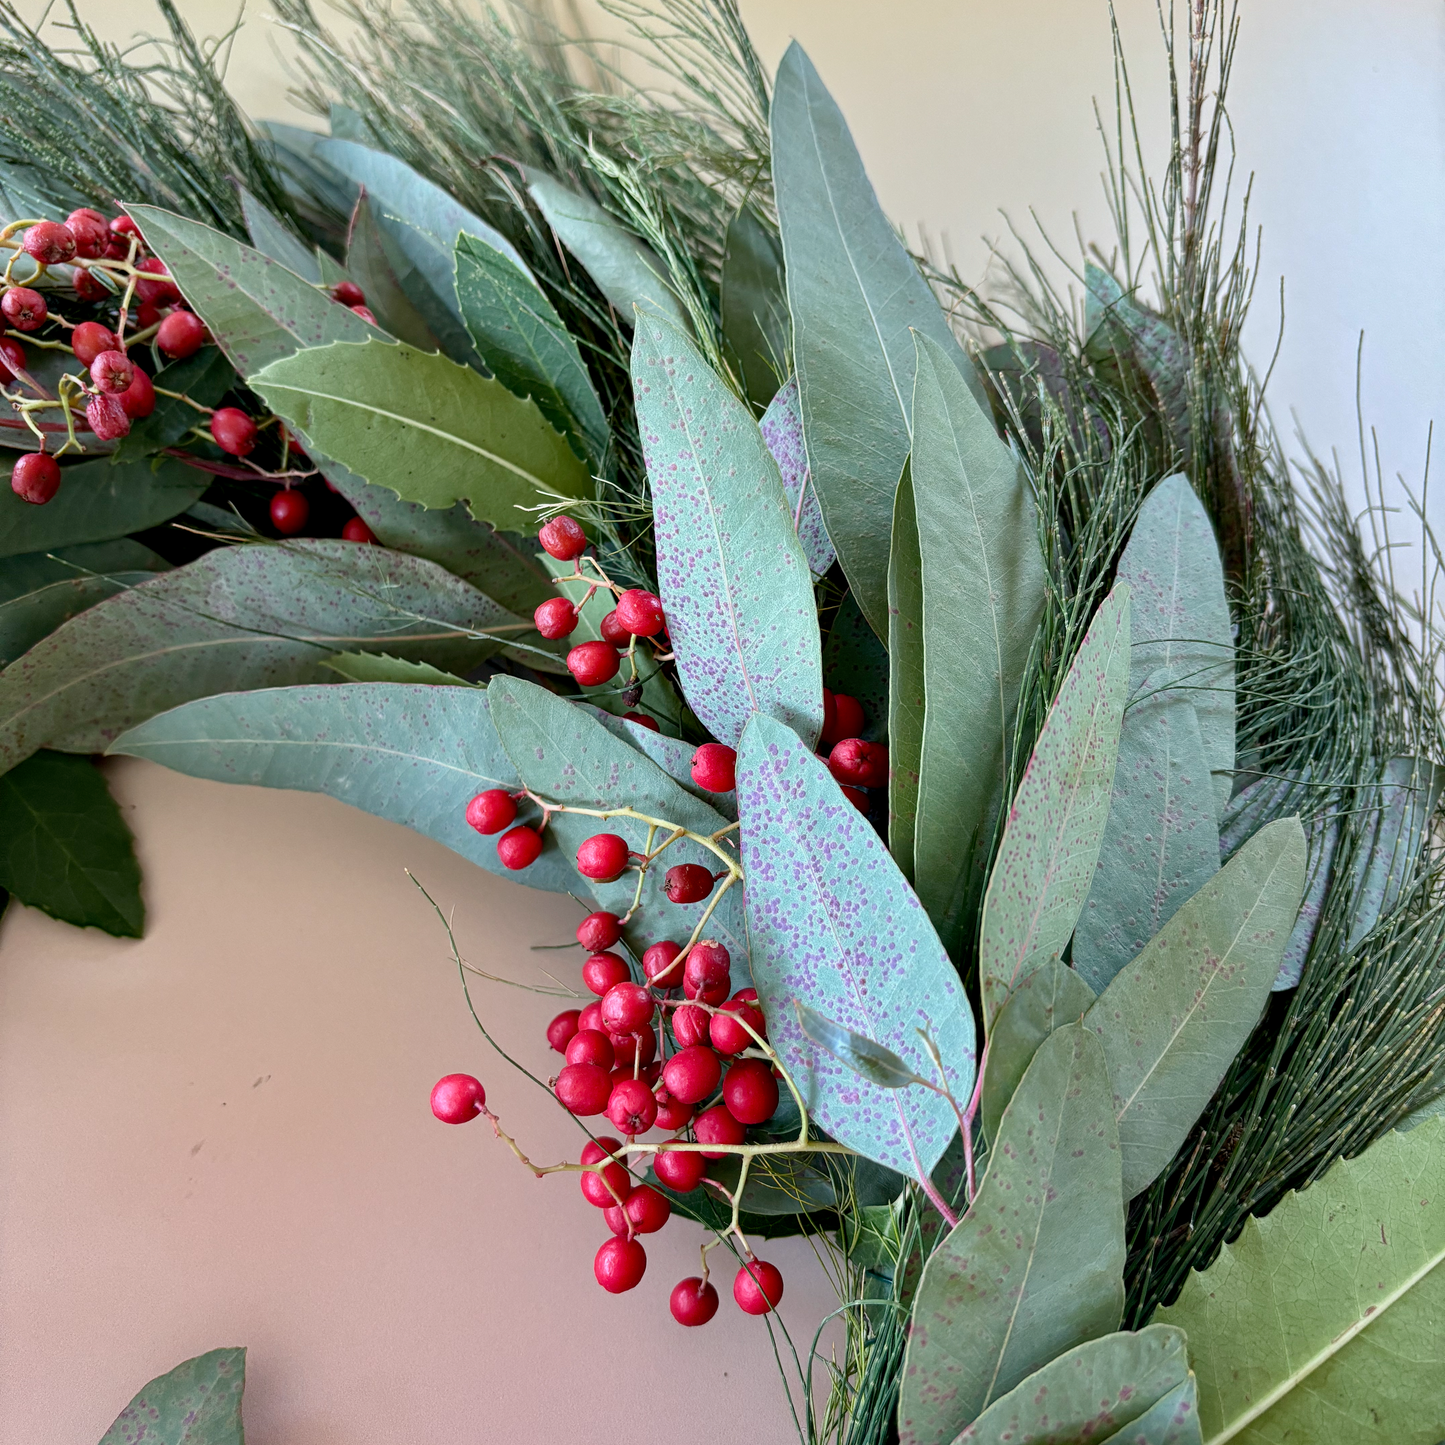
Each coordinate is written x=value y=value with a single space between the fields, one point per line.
x=704 y=840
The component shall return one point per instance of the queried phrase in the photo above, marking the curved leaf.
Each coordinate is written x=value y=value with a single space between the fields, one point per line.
x=1036 y=1266
x=49 y=592
x=733 y=577
x=378 y=667
x=197 y=1403
x=376 y=263
x=782 y=428
x=906 y=679
x=1321 y=1322
x=272 y=238
x=868 y=1059
x=672 y=755
x=1404 y=800
x=431 y=430
x=754 y=305
x=1172 y=1021
x=833 y=924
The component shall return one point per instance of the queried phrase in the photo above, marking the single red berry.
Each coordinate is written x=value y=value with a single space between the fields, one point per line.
x=690 y=1026
x=615 y=1218
x=859 y=763
x=643 y=720
x=620 y=1265
x=106 y=417
x=593 y=663
x=758 y=1288
x=554 y=618
x=138 y=400
x=584 y=1089
x=12 y=358
x=631 y=1107
x=705 y=976
x=35 y=478
x=613 y=631
x=156 y=286
x=599 y=931
x=491 y=811
x=647 y=1210
x=717 y=1126
x=672 y=1114
x=90 y=339
x=657 y=964
x=457 y=1098
x=687 y=883
x=640 y=613
x=590 y=1046
x=112 y=372
x=680 y=1169
x=366 y=314
x=52 y=243
x=234 y=432
x=692 y=1074
x=181 y=334
x=122 y=225
x=564 y=538
x=562 y=1030
x=519 y=848
x=693 y=1301
x=595 y=1182
x=856 y=796
x=87 y=288
x=727 y=1033
x=750 y=1091
x=602 y=857
x=147 y=314
x=715 y=767
x=634 y=1051
x=348 y=293
x=290 y=511
x=626 y=1008
x=602 y=971
x=357 y=531
x=89 y=231
x=591 y=1016
x=849 y=714
x=24 y=309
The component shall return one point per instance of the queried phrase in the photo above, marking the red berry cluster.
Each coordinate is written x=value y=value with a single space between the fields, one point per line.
x=856 y=764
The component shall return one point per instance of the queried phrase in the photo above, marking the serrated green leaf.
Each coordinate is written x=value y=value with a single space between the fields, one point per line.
x=983 y=593
x=413 y=755
x=731 y=572
x=1046 y=860
x=1321 y=1323
x=855 y=662
x=273 y=238
x=197 y=1403
x=1172 y=1021
x=57 y=594
x=65 y=849
x=377 y=264
x=1036 y=1266
x=755 y=305
x=867 y=1059
x=431 y=430
x=906 y=679
x=378 y=667
x=205 y=378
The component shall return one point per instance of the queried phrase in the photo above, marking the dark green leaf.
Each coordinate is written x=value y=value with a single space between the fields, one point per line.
x=905 y=675
x=272 y=238
x=197 y=1403
x=856 y=662
x=376 y=263
x=57 y=593
x=869 y=1060
x=27 y=573
x=205 y=377
x=755 y=305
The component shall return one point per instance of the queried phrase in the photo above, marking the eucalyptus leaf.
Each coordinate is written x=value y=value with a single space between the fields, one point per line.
x=197 y=1403
x=1036 y=1266
x=983 y=593
x=1403 y=802
x=868 y=1059
x=48 y=593
x=782 y=428
x=733 y=577
x=833 y=924
x=1321 y=1322
x=672 y=755
x=906 y=677
x=378 y=265
x=29 y=572
x=755 y=305
x=431 y=430
x=1046 y=860
x=308 y=178
x=1172 y=1021
x=205 y=378
x=378 y=667
x=855 y=662
x=273 y=238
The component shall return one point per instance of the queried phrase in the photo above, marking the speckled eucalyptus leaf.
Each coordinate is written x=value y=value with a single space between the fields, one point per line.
x=672 y=755
x=870 y=1060
x=782 y=428
x=1036 y=1266
x=197 y=1403
x=272 y=238
x=731 y=571
x=906 y=677
x=1046 y=860
x=833 y=924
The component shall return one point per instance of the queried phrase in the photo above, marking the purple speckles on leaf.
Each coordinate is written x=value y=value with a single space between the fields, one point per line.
x=197 y=1403
x=782 y=428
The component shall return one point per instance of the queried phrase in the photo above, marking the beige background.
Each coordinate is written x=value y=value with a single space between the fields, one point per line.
x=219 y=1134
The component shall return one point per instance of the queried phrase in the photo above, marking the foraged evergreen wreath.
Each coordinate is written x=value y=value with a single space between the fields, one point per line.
x=1002 y=790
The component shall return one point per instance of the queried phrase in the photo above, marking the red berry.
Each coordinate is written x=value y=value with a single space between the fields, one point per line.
x=715 y=767
x=602 y=971
x=647 y=1210
x=12 y=358
x=634 y=1050
x=457 y=1098
x=366 y=314
x=591 y=1016
x=89 y=231
x=640 y=613
x=690 y=1026
x=147 y=314
x=139 y=398
x=849 y=712
x=87 y=288
x=693 y=1301
x=856 y=796
x=24 y=309
x=717 y=1126
x=590 y=1046
x=584 y=1089
x=162 y=292
x=554 y=618
x=90 y=339
x=705 y=977
x=680 y=1169
x=627 y=1008
x=750 y=1091
x=657 y=964
x=613 y=631
x=234 y=432
x=357 y=531
x=758 y=1287
x=106 y=417
x=348 y=293
x=615 y=1218
x=692 y=1074
x=687 y=883
x=672 y=1114
x=122 y=228
x=562 y=1030
x=643 y=721
x=598 y=931
x=595 y=1182
x=519 y=848
x=631 y=1107
x=563 y=538
x=491 y=811
x=620 y=1265
x=289 y=511
x=35 y=478
x=181 y=334
x=862 y=764
x=727 y=1034
x=112 y=372
x=602 y=857
x=50 y=242
x=593 y=663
